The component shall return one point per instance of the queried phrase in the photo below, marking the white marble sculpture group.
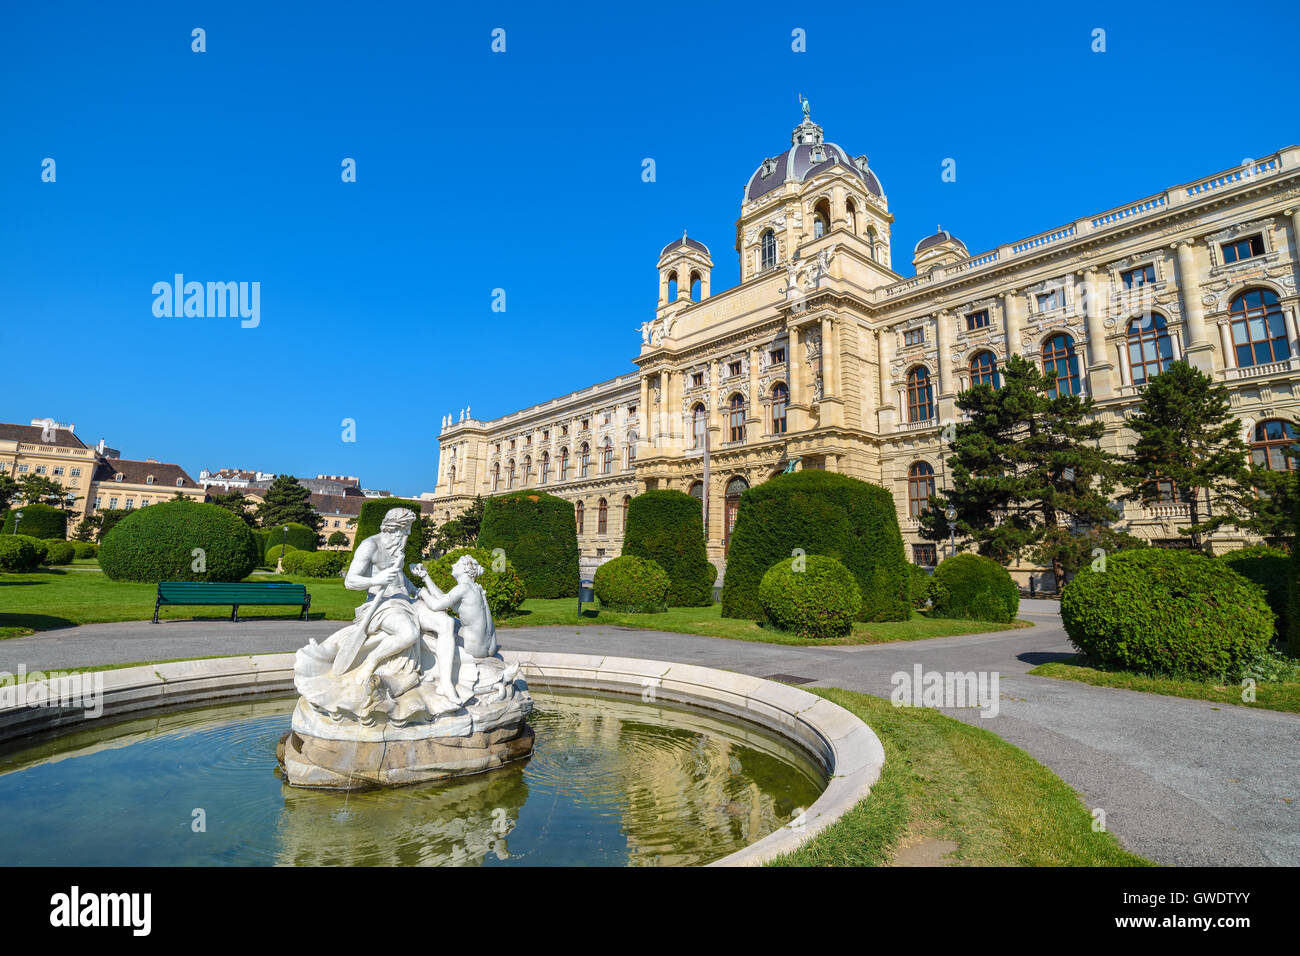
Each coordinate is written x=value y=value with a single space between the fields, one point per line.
x=405 y=671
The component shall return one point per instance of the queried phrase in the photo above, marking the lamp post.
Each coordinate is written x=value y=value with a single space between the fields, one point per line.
x=284 y=541
x=18 y=516
x=951 y=515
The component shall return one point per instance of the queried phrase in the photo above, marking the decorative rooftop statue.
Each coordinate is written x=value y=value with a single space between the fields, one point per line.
x=406 y=693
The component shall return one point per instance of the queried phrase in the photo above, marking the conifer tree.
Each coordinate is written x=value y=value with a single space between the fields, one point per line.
x=287 y=501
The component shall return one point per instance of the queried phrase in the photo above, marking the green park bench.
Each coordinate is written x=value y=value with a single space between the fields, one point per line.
x=173 y=593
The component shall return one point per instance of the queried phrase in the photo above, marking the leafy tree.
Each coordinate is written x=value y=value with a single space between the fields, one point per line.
x=287 y=502
x=236 y=504
x=107 y=517
x=42 y=490
x=87 y=528
x=8 y=491
x=1029 y=475
x=337 y=539
x=461 y=531
x=1271 y=514
x=1187 y=434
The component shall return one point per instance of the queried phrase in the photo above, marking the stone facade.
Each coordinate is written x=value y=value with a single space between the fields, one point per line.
x=824 y=357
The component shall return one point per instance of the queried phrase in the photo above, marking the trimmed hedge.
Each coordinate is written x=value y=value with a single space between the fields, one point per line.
x=918 y=585
x=39 y=521
x=823 y=513
x=85 y=549
x=1270 y=568
x=667 y=527
x=820 y=599
x=292 y=563
x=1161 y=611
x=539 y=535
x=299 y=536
x=372 y=516
x=59 y=551
x=157 y=544
x=19 y=552
x=273 y=554
x=973 y=587
x=1293 y=615
x=633 y=584
x=323 y=564
x=108 y=519
x=504 y=589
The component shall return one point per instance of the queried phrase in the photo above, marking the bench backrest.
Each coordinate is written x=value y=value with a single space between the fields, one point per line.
x=223 y=593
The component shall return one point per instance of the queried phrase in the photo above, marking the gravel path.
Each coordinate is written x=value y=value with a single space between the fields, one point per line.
x=1181 y=781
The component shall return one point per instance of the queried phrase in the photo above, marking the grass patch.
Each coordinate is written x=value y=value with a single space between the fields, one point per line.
x=709 y=622
x=1269 y=695
x=946 y=780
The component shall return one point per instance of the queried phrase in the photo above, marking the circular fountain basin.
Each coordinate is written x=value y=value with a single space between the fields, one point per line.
x=637 y=763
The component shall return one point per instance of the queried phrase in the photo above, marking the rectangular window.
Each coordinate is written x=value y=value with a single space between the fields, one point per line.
x=22 y=469
x=778 y=356
x=631 y=409
x=697 y=379
x=585 y=422
x=977 y=320
x=1246 y=248
x=914 y=336
x=546 y=435
x=130 y=503
x=1143 y=275
x=924 y=555
x=112 y=504
x=40 y=469
x=99 y=502
x=76 y=472
x=1047 y=301
x=144 y=502
x=58 y=470
x=733 y=368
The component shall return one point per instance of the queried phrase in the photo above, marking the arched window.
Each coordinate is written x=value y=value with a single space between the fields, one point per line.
x=1061 y=365
x=528 y=469
x=984 y=369
x=1150 y=350
x=602 y=516
x=735 y=488
x=672 y=287
x=737 y=417
x=607 y=458
x=452 y=475
x=920 y=395
x=584 y=461
x=546 y=467
x=578 y=512
x=821 y=218
x=920 y=488
x=697 y=491
x=1273 y=439
x=1258 y=329
x=698 y=424
x=780 y=401
x=696 y=287
x=851 y=213
x=564 y=464
x=496 y=476
x=769 y=250
x=627 y=503
x=510 y=474
x=871 y=242
x=632 y=439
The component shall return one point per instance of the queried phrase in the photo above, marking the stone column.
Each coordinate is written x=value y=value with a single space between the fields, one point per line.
x=1225 y=339
x=832 y=405
x=1295 y=233
x=888 y=410
x=1101 y=377
x=947 y=390
x=796 y=414
x=753 y=420
x=643 y=410
x=1013 y=313
x=1200 y=350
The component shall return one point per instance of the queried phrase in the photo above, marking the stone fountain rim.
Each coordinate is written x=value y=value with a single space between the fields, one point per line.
x=840 y=743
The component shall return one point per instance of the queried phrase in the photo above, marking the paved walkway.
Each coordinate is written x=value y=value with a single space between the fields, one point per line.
x=1181 y=781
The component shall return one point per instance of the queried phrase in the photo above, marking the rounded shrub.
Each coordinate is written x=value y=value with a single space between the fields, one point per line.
x=39 y=521
x=976 y=588
x=1161 y=611
x=819 y=512
x=539 y=535
x=504 y=589
x=158 y=544
x=667 y=527
x=18 y=552
x=273 y=554
x=633 y=584
x=59 y=551
x=293 y=561
x=298 y=536
x=1270 y=568
x=85 y=549
x=812 y=596
x=323 y=564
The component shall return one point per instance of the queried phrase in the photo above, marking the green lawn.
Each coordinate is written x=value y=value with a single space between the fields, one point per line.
x=1270 y=695
x=62 y=597
x=944 y=780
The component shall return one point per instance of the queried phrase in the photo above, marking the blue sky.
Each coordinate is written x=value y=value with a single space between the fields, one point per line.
x=520 y=171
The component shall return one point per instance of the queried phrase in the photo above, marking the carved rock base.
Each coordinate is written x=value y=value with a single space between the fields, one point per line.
x=368 y=764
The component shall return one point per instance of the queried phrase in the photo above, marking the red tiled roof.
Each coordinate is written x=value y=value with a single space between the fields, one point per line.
x=31 y=434
x=138 y=472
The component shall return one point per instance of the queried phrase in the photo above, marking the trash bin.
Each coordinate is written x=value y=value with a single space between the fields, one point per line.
x=586 y=592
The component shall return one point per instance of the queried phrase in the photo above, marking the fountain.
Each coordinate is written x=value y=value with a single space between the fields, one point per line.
x=406 y=693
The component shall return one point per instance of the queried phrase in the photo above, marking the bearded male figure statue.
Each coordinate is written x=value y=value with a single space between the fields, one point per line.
x=406 y=671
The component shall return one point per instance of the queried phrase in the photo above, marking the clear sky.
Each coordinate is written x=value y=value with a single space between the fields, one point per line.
x=521 y=171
